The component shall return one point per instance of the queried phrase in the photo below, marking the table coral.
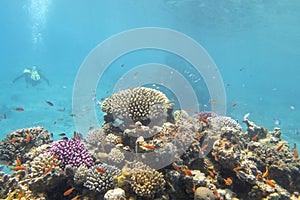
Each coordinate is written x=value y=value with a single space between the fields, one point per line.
x=139 y=104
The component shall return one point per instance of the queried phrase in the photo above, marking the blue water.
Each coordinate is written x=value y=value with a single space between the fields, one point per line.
x=255 y=45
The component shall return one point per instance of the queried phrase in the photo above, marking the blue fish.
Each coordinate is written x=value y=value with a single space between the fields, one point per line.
x=1 y=167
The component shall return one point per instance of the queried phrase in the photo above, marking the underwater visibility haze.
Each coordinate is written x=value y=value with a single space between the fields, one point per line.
x=138 y=99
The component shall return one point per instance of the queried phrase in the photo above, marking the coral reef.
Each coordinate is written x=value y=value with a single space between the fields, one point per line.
x=218 y=122
x=144 y=181
x=116 y=155
x=80 y=174
x=100 y=178
x=203 y=156
x=70 y=152
x=18 y=142
x=95 y=136
x=205 y=114
x=139 y=104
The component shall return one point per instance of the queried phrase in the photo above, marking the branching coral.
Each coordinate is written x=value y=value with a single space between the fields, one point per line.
x=100 y=178
x=146 y=182
x=71 y=152
x=19 y=142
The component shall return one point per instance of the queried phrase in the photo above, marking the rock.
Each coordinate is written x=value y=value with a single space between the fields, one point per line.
x=114 y=194
x=203 y=193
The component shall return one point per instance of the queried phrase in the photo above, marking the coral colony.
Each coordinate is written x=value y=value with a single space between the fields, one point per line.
x=221 y=161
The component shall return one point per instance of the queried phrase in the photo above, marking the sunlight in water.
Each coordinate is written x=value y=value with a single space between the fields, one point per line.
x=38 y=12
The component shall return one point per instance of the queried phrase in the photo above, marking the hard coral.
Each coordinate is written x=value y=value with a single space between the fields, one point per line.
x=42 y=173
x=139 y=104
x=100 y=178
x=80 y=174
x=19 y=142
x=218 y=122
x=71 y=152
x=95 y=136
x=146 y=182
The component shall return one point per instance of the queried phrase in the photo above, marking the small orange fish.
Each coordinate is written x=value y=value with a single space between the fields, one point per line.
x=53 y=163
x=194 y=188
x=19 y=109
x=140 y=129
x=76 y=197
x=188 y=172
x=44 y=165
x=234 y=104
x=279 y=147
x=213 y=102
x=217 y=196
x=21 y=194
x=270 y=183
x=77 y=136
x=228 y=181
x=17 y=168
x=295 y=152
x=119 y=140
x=47 y=170
x=55 y=156
x=204 y=147
x=69 y=191
x=211 y=173
x=254 y=137
x=266 y=172
x=203 y=119
x=189 y=120
x=18 y=161
x=216 y=158
x=152 y=147
x=175 y=166
x=100 y=170
x=160 y=134
x=28 y=138
x=237 y=168
x=257 y=176
x=132 y=125
x=13 y=140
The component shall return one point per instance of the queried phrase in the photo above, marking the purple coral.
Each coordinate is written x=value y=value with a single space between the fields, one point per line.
x=71 y=152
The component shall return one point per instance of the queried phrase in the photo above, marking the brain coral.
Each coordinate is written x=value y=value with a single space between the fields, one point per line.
x=100 y=178
x=138 y=104
x=71 y=152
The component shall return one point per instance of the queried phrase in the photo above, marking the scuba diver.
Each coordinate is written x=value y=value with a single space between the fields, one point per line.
x=32 y=77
